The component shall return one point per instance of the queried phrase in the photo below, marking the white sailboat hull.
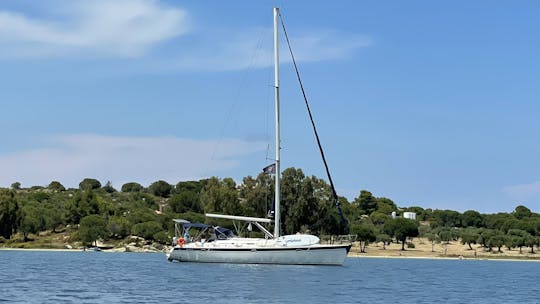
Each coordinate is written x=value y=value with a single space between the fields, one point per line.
x=301 y=255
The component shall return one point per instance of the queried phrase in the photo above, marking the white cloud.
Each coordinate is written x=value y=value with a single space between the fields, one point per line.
x=237 y=50
x=523 y=191
x=105 y=27
x=327 y=44
x=135 y=28
x=69 y=159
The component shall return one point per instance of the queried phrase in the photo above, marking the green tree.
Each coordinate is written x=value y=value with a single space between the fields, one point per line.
x=378 y=218
x=517 y=238
x=306 y=203
x=16 y=186
x=191 y=186
x=469 y=236
x=32 y=220
x=384 y=238
x=434 y=238
x=485 y=235
x=161 y=237
x=401 y=229
x=119 y=226
x=364 y=233
x=427 y=215
x=510 y=223
x=471 y=218
x=366 y=202
x=304 y=211
x=184 y=202
x=496 y=221
x=56 y=186
x=445 y=234
x=325 y=219
x=497 y=240
x=92 y=227
x=132 y=187
x=83 y=204
x=146 y=230
x=291 y=183
x=522 y=212
x=160 y=188
x=53 y=216
x=328 y=221
x=89 y=184
x=109 y=187
x=39 y=196
x=141 y=200
x=9 y=213
x=531 y=241
x=220 y=196
x=257 y=195
x=446 y=218
x=140 y=216
x=385 y=205
x=423 y=230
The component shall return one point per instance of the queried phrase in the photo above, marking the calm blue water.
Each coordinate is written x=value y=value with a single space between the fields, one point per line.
x=94 y=277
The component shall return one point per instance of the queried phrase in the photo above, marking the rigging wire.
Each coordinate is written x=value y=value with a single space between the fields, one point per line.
x=252 y=64
x=334 y=193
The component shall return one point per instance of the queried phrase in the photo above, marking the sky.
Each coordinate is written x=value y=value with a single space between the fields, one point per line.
x=427 y=103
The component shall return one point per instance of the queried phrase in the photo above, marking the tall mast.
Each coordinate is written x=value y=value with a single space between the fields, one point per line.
x=277 y=213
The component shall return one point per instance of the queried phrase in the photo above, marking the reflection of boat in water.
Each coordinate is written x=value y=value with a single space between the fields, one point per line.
x=220 y=245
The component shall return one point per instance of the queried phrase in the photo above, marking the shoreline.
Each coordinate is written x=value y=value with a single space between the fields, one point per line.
x=72 y=250
x=480 y=258
x=350 y=255
x=40 y=249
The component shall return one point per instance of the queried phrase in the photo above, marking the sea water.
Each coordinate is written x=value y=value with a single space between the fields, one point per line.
x=98 y=277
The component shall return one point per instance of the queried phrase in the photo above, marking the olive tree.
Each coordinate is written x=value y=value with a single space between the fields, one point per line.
x=92 y=227
x=401 y=229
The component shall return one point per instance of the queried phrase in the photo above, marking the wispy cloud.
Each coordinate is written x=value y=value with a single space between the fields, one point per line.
x=237 y=50
x=137 y=28
x=102 y=27
x=325 y=44
x=69 y=159
x=523 y=191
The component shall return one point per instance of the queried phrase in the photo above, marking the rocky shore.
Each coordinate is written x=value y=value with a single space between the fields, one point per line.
x=61 y=241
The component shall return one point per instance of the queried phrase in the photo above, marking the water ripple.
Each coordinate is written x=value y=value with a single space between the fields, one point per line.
x=92 y=277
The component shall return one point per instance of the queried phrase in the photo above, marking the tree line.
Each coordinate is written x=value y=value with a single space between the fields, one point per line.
x=103 y=212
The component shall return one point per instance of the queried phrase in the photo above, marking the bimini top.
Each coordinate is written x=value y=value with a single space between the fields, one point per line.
x=195 y=225
x=188 y=224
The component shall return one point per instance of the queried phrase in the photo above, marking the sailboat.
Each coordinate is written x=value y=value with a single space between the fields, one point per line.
x=220 y=245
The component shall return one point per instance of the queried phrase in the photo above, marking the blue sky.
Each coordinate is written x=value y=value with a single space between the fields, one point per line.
x=430 y=104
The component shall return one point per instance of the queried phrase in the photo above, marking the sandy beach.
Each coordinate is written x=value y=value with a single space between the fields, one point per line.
x=423 y=249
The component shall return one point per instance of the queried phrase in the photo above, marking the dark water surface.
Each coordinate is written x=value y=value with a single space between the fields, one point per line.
x=95 y=277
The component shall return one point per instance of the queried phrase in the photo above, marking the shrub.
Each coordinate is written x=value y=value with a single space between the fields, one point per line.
x=146 y=230
x=162 y=237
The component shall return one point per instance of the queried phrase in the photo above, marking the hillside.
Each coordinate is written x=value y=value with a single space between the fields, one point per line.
x=140 y=218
